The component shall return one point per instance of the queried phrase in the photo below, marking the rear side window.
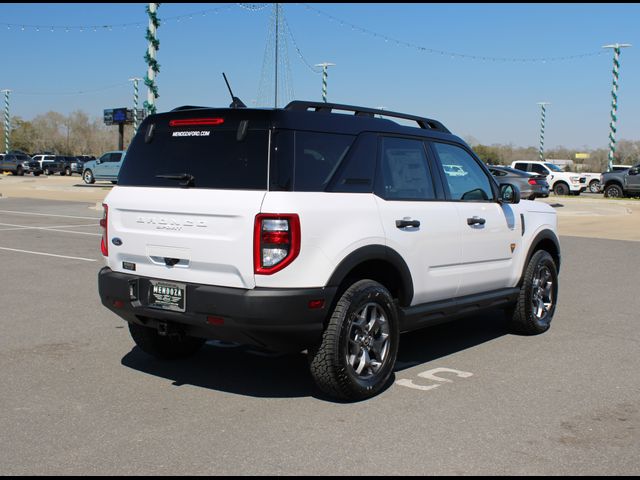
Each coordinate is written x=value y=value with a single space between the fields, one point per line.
x=521 y=166
x=317 y=157
x=229 y=154
x=307 y=161
x=404 y=171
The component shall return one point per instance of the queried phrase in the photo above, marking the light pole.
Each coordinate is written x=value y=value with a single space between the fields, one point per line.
x=135 y=81
x=324 y=66
x=542 y=119
x=6 y=119
x=614 y=102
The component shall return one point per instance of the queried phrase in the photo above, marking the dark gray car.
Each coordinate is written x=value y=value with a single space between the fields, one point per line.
x=530 y=185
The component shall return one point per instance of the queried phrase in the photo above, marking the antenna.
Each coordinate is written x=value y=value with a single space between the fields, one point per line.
x=235 y=101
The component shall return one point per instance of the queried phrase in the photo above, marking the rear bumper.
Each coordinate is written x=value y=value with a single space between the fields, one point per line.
x=275 y=319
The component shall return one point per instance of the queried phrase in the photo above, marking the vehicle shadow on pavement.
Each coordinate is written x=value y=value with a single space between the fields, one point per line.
x=431 y=343
x=246 y=371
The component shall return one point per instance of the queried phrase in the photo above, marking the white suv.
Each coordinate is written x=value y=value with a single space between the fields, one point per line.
x=306 y=229
x=560 y=182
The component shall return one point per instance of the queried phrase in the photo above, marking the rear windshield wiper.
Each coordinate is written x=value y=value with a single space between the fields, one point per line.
x=187 y=178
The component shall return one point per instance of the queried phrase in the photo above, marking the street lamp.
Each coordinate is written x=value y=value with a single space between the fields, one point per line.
x=324 y=78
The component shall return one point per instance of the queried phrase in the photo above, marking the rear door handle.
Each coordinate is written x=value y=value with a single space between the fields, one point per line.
x=404 y=223
x=476 y=221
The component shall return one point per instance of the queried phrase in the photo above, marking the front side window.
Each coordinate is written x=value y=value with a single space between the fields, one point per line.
x=535 y=167
x=404 y=171
x=466 y=179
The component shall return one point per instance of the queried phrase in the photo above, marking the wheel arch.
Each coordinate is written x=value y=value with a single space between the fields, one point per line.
x=376 y=262
x=544 y=240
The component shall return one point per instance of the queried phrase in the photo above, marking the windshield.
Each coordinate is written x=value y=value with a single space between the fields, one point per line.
x=553 y=167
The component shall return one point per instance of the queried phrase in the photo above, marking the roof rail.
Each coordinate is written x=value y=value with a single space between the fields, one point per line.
x=186 y=107
x=364 y=111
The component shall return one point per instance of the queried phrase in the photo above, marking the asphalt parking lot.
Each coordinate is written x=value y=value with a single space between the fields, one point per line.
x=468 y=398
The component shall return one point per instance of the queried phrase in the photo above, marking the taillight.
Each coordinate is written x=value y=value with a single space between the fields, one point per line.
x=276 y=242
x=104 y=244
x=532 y=181
x=188 y=122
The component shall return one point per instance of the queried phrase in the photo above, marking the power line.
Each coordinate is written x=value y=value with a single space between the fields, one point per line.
x=435 y=51
x=80 y=92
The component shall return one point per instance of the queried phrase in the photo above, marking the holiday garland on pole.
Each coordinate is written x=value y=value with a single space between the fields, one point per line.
x=150 y=58
x=542 y=119
x=6 y=120
x=614 y=101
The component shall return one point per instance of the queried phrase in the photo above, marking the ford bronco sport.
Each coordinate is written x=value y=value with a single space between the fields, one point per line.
x=317 y=227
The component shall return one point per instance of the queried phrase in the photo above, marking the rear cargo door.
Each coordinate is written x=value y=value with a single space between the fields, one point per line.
x=188 y=235
x=189 y=189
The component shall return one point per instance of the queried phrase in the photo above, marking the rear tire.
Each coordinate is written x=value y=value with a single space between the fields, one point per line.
x=67 y=171
x=357 y=354
x=561 y=189
x=536 y=304
x=164 y=347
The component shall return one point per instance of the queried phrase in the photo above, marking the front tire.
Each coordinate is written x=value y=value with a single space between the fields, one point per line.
x=87 y=176
x=594 y=186
x=171 y=347
x=613 y=191
x=357 y=354
x=538 y=296
x=67 y=171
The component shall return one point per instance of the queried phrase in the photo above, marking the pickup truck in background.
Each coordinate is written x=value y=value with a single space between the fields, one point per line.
x=560 y=182
x=621 y=183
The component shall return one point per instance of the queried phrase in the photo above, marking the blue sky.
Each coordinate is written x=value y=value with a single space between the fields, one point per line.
x=493 y=99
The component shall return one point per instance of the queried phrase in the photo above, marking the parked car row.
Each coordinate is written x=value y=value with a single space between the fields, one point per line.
x=19 y=163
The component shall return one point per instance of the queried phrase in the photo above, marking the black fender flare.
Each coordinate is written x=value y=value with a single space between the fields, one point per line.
x=375 y=252
x=542 y=236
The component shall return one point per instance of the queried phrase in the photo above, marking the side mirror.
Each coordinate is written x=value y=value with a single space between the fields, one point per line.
x=509 y=193
x=98 y=161
x=633 y=171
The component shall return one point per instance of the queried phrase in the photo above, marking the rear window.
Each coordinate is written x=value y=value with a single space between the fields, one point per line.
x=217 y=150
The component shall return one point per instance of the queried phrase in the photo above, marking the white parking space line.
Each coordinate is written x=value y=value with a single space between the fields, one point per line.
x=48 y=215
x=54 y=228
x=48 y=254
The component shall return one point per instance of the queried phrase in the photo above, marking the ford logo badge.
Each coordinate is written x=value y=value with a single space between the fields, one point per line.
x=116 y=241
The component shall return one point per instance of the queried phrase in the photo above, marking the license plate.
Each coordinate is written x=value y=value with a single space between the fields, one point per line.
x=167 y=296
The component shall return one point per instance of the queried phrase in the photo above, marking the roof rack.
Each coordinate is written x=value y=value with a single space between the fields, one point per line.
x=186 y=107
x=364 y=111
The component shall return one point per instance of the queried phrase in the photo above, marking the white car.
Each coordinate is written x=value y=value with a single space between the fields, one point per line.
x=560 y=182
x=303 y=229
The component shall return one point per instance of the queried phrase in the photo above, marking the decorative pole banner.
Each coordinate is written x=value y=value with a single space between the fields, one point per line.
x=542 y=119
x=614 y=101
x=7 y=124
x=150 y=58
